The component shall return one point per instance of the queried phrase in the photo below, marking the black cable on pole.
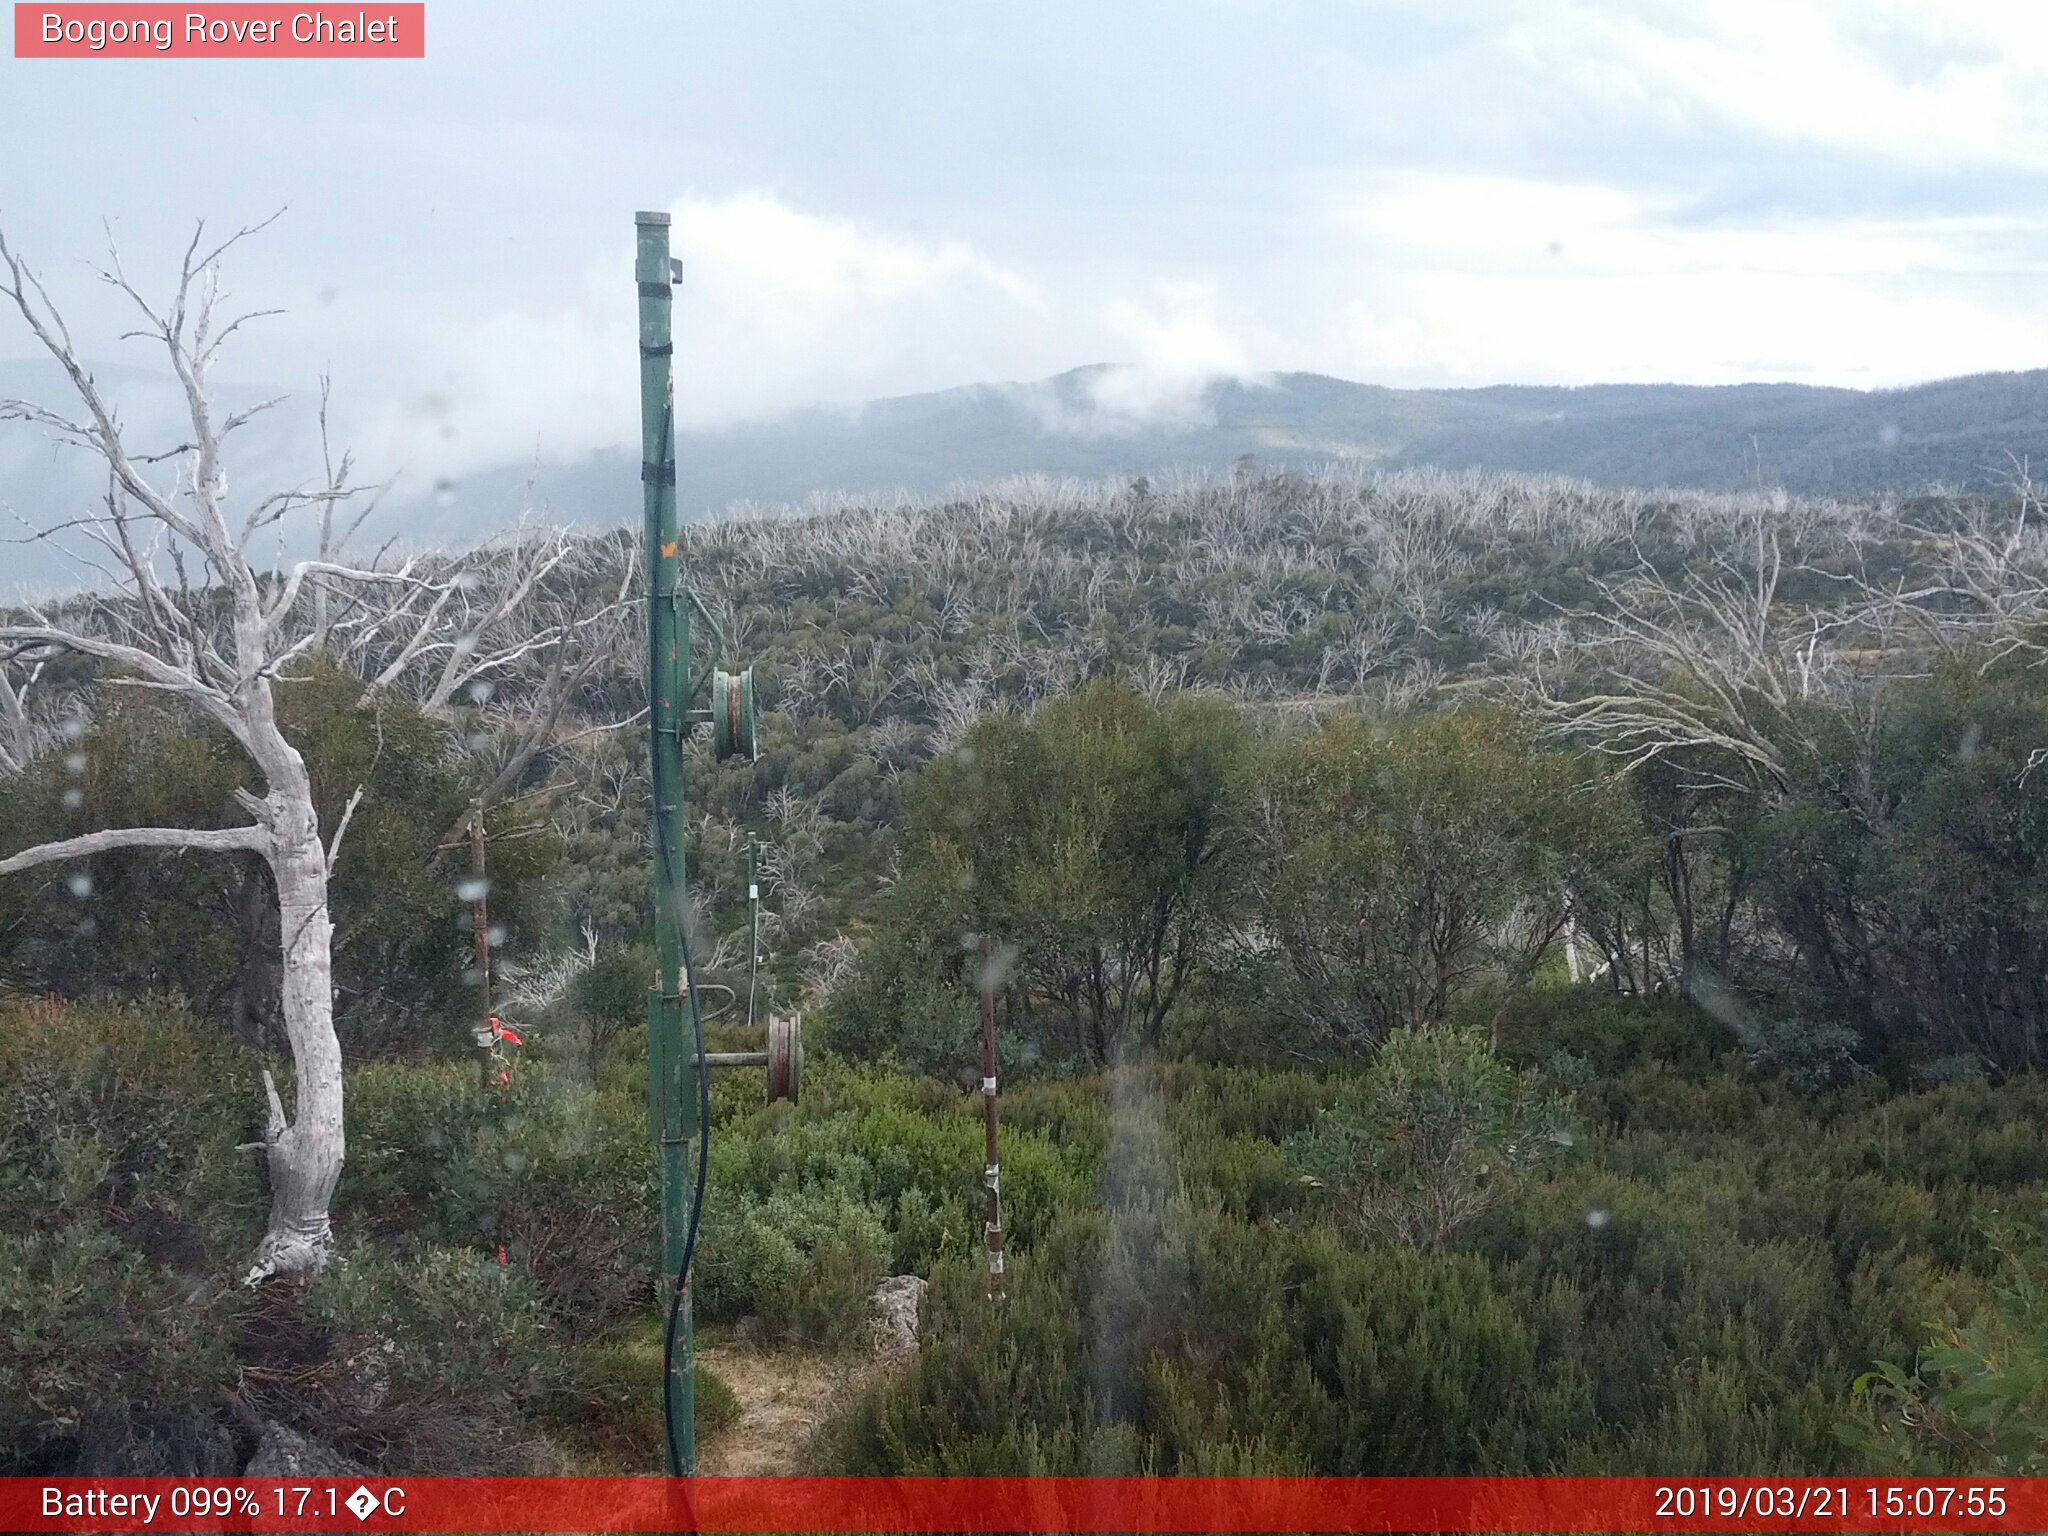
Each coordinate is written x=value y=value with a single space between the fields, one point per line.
x=677 y=897
x=675 y=1300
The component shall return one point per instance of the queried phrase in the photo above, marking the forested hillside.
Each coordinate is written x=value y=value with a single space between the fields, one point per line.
x=1966 y=434
x=1494 y=974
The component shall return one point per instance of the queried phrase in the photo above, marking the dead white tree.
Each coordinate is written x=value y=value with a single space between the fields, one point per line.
x=503 y=641
x=1991 y=576
x=23 y=730
x=217 y=643
x=1708 y=668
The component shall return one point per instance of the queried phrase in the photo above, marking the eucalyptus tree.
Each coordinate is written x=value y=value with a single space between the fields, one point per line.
x=186 y=610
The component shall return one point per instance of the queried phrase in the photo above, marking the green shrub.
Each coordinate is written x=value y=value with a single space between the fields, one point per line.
x=612 y=1405
x=718 y=1406
x=1413 y=863
x=101 y=1351
x=1611 y=1032
x=136 y=1111
x=560 y=1175
x=434 y=1362
x=803 y=1261
x=205 y=927
x=1441 y=1131
x=1976 y=1399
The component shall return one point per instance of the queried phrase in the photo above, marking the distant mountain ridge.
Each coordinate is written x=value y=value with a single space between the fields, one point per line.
x=1964 y=433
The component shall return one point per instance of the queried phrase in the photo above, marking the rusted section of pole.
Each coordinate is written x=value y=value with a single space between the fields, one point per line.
x=992 y=1172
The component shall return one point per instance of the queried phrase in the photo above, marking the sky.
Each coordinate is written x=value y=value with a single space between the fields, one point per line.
x=898 y=196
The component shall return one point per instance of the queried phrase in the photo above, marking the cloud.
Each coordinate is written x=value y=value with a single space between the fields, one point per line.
x=781 y=307
x=1484 y=279
x=1178 y=346
x=1586 y=191
x=1913 y=84
x=777 y=308
x=1169 y=348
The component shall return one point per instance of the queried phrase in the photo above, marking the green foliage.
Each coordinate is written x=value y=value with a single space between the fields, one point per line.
x=1693 y=1288
x=874 y=1174
x=612 y=1407
x=203 y=927
x=1696 y=1287
x=1091 y=838
x=1439 y=1132
x=1608 y=1032
x=1397 y=866
x=121 y=1205
x=608 y=1001
x=718 y=1407
x=130 y=1114
x=1976 y=1400
x=803 y=1261
x=1908 y=864
x=559 y=1174
x=441 y=1357
x=100 y=1347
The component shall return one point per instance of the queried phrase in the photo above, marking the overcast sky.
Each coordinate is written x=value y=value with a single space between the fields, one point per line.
x=888 y=197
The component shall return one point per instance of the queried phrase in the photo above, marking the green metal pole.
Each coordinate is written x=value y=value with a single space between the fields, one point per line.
x=671 y=1054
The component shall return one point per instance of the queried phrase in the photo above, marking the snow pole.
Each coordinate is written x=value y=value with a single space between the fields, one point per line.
x=753 y=927
x=671 y=1061
x=992 y=1171
x=480 y=919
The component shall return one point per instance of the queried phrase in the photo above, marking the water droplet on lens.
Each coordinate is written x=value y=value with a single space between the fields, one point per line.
x=473 y=889
x=495 y=935
x=73 y=799
x=75 y=763
x=1596 y=1218
x=80 y=885
x=444 y=493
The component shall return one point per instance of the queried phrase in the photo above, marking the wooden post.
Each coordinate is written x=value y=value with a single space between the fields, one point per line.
x=992 y=1172
x=480 y=912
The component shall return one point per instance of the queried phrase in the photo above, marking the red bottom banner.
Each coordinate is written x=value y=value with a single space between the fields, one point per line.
x=976 y=1504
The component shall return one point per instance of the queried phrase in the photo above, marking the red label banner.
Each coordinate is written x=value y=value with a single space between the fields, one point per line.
x=991 y=1504
x=241 y=31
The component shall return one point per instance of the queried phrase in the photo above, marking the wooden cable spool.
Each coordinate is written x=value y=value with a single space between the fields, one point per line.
x=734 y=722
x=785 y=1056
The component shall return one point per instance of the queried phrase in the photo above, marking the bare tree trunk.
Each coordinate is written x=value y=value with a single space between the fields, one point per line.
x=305 y=1153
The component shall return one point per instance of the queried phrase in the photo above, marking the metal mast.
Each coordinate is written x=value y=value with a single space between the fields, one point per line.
x=671 y=1061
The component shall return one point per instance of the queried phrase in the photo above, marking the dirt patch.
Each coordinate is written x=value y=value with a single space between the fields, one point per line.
x=783 y=1392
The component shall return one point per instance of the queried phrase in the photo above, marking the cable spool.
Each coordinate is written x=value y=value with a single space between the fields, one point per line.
x=733 y=732
x=785 y=1056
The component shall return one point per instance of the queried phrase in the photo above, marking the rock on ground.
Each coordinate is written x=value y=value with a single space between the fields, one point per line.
x=284 y=1452
x=898 y=1300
